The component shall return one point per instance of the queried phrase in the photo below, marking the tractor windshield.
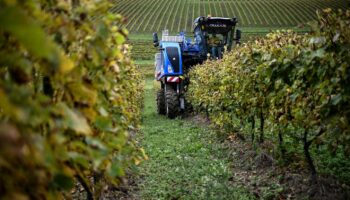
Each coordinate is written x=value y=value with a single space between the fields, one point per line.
x=198 y=36
x=200 y=40
x=216 y=39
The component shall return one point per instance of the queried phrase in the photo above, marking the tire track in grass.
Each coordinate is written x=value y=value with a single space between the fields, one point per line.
x=185 y=159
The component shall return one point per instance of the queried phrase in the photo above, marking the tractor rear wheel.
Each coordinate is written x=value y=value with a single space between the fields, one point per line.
x=171 y=103
x=161 y=102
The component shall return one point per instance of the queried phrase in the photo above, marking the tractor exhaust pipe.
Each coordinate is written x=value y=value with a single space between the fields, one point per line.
x=155 y=40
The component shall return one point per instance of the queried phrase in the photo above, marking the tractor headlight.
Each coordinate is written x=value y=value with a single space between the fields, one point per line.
x=170 y=69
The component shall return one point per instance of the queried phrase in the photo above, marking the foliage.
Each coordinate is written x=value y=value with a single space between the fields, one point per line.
x=69 y=98
x=297 y=86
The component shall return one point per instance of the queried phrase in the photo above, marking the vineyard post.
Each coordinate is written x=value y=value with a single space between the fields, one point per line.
x=239 y=135
x=307 y=143
x=47 y=86
x=207 y=113
x=98 y=184
x=280 y=142
x=262 y=121
x=308 y=157
x=82 y=181
x=253 y=128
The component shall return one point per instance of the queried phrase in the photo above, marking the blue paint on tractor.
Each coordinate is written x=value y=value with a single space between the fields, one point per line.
x=212 y=36
x=172 y=59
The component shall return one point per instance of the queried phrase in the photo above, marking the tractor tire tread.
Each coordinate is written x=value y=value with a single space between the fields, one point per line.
x=172 y=103
x=161 y=109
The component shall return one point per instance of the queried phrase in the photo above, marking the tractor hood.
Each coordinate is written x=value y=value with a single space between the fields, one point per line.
x=171 y=59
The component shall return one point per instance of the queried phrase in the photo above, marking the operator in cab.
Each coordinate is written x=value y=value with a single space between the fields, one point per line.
x=215 y=45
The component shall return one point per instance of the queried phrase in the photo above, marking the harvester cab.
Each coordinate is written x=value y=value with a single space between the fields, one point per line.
x=216 y=35
x=212 y=36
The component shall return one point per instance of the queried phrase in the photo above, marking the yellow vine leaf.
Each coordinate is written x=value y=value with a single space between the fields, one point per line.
x=144 y=155
x=76 y=121
x=66 y=64
x=137 y=161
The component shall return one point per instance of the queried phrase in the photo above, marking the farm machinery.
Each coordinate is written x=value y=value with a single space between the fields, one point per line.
x=177 y=54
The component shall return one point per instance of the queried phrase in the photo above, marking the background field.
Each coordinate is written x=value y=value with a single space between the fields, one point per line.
x=145 y=16
x=256 y=18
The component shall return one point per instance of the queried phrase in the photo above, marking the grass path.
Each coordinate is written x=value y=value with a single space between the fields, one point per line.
x=185 y=160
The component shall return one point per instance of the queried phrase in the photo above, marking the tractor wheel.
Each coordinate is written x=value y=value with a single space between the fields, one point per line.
x=161 y=102
x=171 y=103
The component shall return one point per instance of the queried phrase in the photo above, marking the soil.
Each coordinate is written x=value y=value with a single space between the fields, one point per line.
x=259 y=173
x=127 y=190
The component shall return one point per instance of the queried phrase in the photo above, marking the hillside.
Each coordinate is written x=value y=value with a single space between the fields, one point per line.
x=178 y=15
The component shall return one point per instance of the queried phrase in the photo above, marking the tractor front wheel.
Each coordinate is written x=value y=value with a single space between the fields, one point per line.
x=172 y=103
x=161 y=102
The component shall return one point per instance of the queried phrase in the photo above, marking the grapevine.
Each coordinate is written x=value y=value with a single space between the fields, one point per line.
x=70 y=97
x=295 y=86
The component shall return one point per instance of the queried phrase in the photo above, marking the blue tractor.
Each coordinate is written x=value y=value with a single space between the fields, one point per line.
x=212 y=37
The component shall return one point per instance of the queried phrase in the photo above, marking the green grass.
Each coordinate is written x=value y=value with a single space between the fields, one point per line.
x=185 y=160
x=144 y=62
x=147 y=70
x=178 y=15
x=142 y=49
